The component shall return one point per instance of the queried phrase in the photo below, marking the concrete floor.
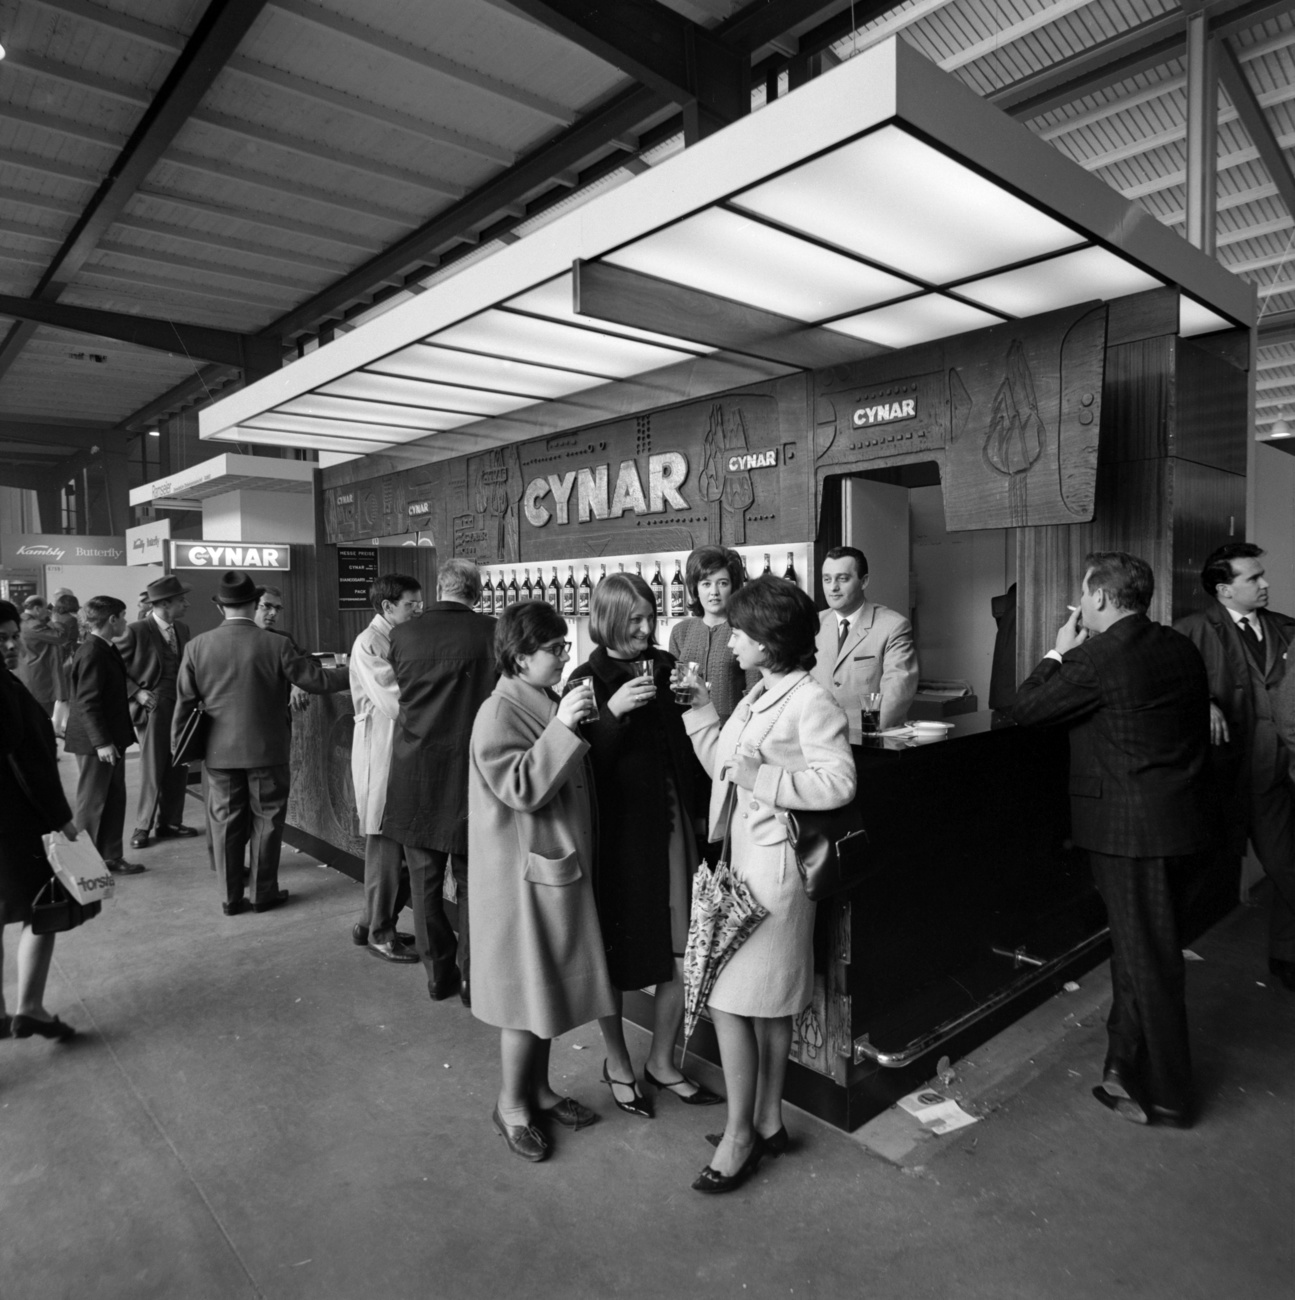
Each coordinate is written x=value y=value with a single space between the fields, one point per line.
x=258 y=1108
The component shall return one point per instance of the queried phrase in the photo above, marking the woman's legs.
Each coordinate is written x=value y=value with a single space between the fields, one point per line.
x=519 y=1050
x=542 y=1095
x=35 y=952
x=774 y=1038
x=619 y=1065
x=739 y=1054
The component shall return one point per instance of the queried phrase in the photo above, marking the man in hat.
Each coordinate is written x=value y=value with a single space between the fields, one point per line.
x=152 y=648
x=239 y=675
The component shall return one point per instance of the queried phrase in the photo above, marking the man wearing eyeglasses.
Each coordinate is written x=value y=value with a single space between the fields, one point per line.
x=444 y=663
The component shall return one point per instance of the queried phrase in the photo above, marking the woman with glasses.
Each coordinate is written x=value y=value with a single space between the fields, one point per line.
x=643 y=776
x=538 y=968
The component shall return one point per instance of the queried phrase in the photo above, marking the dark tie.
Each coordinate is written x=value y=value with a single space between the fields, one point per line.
x=842 y=633
x=1253 y=646
x=168 y=635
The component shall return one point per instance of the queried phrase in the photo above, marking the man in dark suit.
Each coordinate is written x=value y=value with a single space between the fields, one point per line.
x=99 y=732
x=239 y=675
x=151 y=649
x=1244 y=645
x=445 y=670
x=1134 y=697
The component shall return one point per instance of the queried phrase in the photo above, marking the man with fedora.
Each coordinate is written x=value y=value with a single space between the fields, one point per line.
x=152 y=649
x=238 y=675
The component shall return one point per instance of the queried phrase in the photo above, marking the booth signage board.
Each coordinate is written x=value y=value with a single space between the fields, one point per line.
x=23 y=550
x=16 y=590
x=147 y=543
x=357 y=570
x=257 y=556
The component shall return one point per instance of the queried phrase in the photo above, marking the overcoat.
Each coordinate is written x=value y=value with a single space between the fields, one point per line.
x=631 y=759
x=377 y=705
x=444 y=662
x=537 y=954
x=878 y=655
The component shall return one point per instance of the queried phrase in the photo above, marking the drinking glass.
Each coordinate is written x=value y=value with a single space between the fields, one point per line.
x=578 y=683
x=871 y=721
x=688 y=674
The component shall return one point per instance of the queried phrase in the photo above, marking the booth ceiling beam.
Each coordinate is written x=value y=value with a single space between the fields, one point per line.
x=1256 y=123
x=681 y=61
x=214 y=40
x=255 y=356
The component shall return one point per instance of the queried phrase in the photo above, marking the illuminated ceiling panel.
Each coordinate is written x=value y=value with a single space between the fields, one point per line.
x=497 y=374
x=317 y=429
x=1063 y=281
x=418 y=392
x=919 y=320
x=1193 y=318
x=268 y=438
x=345 y=408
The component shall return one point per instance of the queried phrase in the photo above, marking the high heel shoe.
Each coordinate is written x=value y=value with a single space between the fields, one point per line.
x=702 y=1097
x=774 y=1145
x=639 y=1106
x=712 y=1182
x=26 y=1026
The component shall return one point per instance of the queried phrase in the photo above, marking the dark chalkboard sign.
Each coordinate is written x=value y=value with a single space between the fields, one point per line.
x=357 y=569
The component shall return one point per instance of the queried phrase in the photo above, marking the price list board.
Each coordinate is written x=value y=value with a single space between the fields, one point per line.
x=357 y=569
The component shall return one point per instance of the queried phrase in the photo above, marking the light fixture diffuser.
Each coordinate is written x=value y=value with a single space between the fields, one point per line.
x=726 y=254
x=497 y=374
x=346 y=408
x=918 y=320
x=270 y=438
x=1063 y=281
x=892 y=198
x=371 y=387
x=1194 y=318
x=326 y=430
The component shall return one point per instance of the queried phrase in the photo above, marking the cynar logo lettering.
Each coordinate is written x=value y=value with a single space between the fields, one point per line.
x=885 y=413
x=419 y=508
x=667 y=473
x=209 y=555
x=742 y=461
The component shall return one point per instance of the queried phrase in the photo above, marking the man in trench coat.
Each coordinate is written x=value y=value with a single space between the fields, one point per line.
x=445 y=670
x=396 y=598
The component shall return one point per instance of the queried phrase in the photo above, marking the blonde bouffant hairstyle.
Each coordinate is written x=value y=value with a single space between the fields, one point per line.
x=612 y=607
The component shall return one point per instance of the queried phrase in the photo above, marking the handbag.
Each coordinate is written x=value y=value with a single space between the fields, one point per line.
x=54 y=910
x=191 y=744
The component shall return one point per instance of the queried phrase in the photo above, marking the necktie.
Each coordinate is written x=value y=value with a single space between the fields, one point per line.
x=168 y=634
x=842 y=633
x=1251 y=638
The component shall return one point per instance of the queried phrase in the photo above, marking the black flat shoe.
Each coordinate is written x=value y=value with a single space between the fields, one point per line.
x=175 y=832
x=235 y=907
x=26 y=1026
x=267 y=901
x=523 y=1140
x=392 y=950
x=572 y=1114
x=5 y=1025
x=773 y=1146
x=639 y=1106
x=702 y=1097
x=712 y=1182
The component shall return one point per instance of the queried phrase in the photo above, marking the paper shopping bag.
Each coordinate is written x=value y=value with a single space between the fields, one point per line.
x=79 y=867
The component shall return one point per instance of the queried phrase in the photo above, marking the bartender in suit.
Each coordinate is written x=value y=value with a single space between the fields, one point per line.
x=239 y=675
x=862 y=647
x=152 y=648
x=1134 y=698
x=1244 y=645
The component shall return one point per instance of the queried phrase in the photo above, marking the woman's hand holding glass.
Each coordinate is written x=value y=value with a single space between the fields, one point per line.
x=634 y=694
x=686 y=679
x=577 y=704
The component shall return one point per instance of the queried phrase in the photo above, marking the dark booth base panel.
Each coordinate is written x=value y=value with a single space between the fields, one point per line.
x=339 y=859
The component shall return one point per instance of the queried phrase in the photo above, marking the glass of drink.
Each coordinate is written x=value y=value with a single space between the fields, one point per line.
x=584 y=684
x=688 y=674
x=871 y=722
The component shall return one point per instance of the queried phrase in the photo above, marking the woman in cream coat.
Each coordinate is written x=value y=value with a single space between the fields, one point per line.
x=538 y=962
x=785 y=747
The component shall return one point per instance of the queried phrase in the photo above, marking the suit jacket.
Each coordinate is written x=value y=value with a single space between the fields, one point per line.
x=878 y=655
x=1254 y=754
x=1136 y=703
x=239 y=673
x=445 y=668
x=150 y=665
x=100 y=700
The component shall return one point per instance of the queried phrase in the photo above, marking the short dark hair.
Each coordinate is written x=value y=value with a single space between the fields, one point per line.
x=100 y=609
x=521 y=629
x=1218 y=567
x=1126 y=580
x=67 y=604
x=850 y=553
x=9 y=613
x=268 y=591
x=390 y=587
x=704 y=561
x=612 y=606
x=459 y=579
x=781 y=617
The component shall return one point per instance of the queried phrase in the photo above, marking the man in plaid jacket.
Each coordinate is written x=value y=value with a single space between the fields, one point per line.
x=1134 y=697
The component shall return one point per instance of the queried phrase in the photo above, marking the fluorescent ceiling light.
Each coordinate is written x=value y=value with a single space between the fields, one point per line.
x=726 y=254
x=419 y=392
x=919 y=320
x=523 y=338
x=267 y=438
x=1193 y=318
x=1060 y=282
x=450 y=366
x=326 y=430
x=346 y=408
x=896 y=200
x=556 y=300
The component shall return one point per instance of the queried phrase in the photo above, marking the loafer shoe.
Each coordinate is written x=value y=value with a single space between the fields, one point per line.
x=120 y=867
x=439 y=990
x=1285 y=972
x=572 y=1114
x=139 y=840
x=392 y=950
x=235 y=907
x=26 y=1026
x=175 y=832
x=267 y=901
x=523 y=1140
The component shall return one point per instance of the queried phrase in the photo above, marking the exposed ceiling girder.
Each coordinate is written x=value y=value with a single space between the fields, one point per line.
x=1249 y=109
x=192 y=288
x=58 y=434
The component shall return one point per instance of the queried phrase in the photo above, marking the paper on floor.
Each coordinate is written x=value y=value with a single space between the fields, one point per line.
x=936 y=1112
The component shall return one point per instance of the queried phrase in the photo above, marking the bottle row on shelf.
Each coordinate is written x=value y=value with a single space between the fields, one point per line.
x=571 y=598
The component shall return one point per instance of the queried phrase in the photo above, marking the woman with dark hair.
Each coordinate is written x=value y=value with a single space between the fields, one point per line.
x=538 y=968
x=711 y=577
x=646 y=852
x=31 y=803
x=784 y=748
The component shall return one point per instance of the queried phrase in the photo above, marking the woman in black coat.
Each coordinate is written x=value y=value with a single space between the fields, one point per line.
x=31 y=803
x=643 y=772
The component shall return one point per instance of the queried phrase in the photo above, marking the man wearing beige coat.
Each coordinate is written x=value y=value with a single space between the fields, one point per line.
x=397 y=598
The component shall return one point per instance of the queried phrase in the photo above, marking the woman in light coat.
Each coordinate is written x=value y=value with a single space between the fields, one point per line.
x=397 y=598
x=784 y=748
x=538 y=963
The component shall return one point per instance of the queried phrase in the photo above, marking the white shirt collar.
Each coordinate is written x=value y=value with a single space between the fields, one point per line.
x=1253 y=616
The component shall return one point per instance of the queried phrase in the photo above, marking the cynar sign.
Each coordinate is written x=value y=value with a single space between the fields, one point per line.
x=581 y=495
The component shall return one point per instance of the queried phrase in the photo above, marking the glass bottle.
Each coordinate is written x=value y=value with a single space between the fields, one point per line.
x=678 y=596
x=584 y=593
x=790 y=574
x=501 y=596
x=514 y=593
x=569 y=593
x=658 y=591
x=555 y=590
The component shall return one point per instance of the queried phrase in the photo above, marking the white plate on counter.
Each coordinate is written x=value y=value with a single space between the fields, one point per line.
x=931 y=728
